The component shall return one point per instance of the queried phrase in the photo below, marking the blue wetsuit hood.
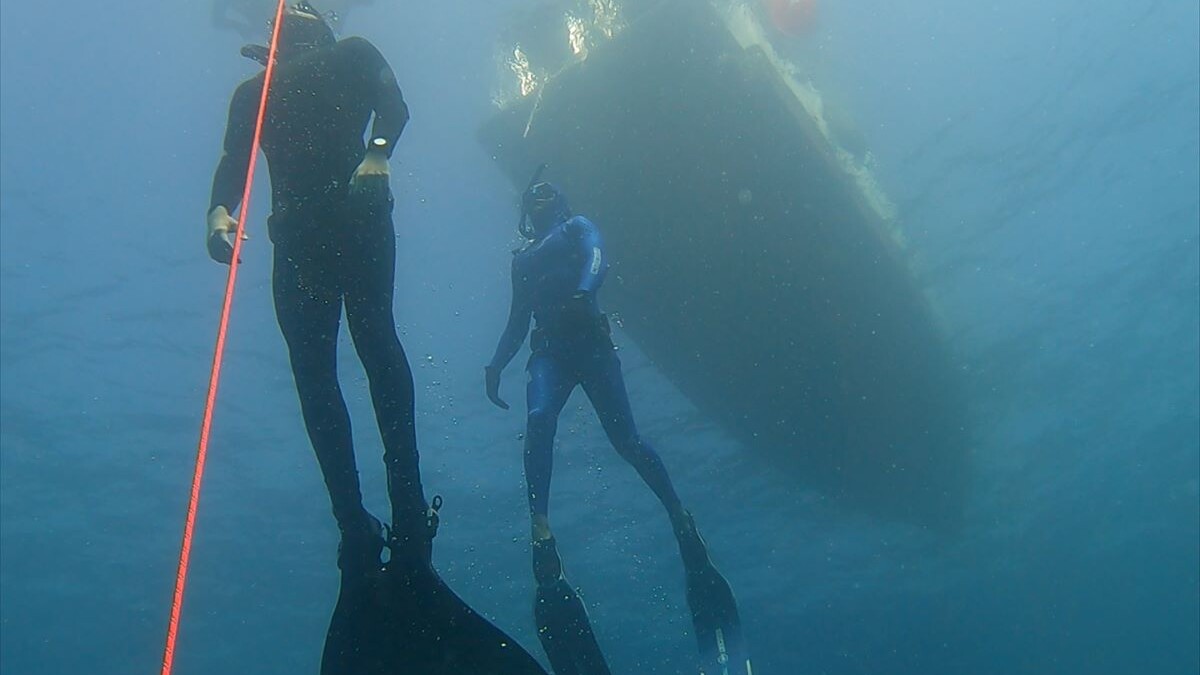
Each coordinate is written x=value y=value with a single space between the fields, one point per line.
x=542 y=206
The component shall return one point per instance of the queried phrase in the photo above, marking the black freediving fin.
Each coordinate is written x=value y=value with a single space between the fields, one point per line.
x=562 y=620
x=714 y=609
x=399 y=617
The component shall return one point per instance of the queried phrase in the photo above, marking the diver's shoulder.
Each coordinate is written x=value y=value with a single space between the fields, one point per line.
x=357 y=46
x=579 y=223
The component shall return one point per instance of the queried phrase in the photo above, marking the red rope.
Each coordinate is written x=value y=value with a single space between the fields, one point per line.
x=189 y=526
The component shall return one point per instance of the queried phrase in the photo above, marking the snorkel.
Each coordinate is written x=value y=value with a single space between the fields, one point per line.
x=524 y=227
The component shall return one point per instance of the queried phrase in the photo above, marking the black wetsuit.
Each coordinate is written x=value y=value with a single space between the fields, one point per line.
x=333 y=248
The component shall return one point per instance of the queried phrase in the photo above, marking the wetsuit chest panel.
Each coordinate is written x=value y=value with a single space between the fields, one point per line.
x=313 y=137
x=550 y=270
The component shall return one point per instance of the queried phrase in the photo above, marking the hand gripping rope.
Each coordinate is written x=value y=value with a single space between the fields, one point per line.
x=219 y=353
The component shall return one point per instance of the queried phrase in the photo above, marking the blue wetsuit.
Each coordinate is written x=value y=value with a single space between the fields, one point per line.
x=555 y=280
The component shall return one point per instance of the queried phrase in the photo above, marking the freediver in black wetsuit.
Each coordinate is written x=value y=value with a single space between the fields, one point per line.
x=555 y=281
x=335 y=246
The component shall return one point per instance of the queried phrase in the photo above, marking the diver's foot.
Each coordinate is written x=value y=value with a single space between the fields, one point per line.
x=411 y=540
x=547 y=565
x=691 y=545
x=540 y=527
x=362 y=543
x=564 y=628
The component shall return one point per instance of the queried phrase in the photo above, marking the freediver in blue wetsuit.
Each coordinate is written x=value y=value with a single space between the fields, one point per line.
x=555 y=281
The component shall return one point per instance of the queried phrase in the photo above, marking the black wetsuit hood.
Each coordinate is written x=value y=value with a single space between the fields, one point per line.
x=297 y=34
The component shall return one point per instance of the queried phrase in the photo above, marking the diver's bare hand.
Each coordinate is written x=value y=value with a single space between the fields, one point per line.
x=221 y=231
x=372 y=175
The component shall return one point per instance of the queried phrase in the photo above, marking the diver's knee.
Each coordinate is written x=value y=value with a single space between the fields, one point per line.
x=541 y=421
x=380 y=352
x=315 y=383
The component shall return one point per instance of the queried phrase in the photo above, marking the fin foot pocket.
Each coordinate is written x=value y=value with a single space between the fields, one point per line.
x=564 y=628
x=361 y=545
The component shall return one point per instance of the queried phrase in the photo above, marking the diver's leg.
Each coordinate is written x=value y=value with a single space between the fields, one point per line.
x=559 y=613
x=714 y=610
x=369 y=254
x=308 y=308
x=605 y=387
x=402 y=618
x=549 y=386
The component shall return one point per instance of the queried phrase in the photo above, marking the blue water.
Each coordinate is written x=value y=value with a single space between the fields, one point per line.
x=1045 y=160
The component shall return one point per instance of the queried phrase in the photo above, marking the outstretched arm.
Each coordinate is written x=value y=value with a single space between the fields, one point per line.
x=519 y=314
x=229 y=181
